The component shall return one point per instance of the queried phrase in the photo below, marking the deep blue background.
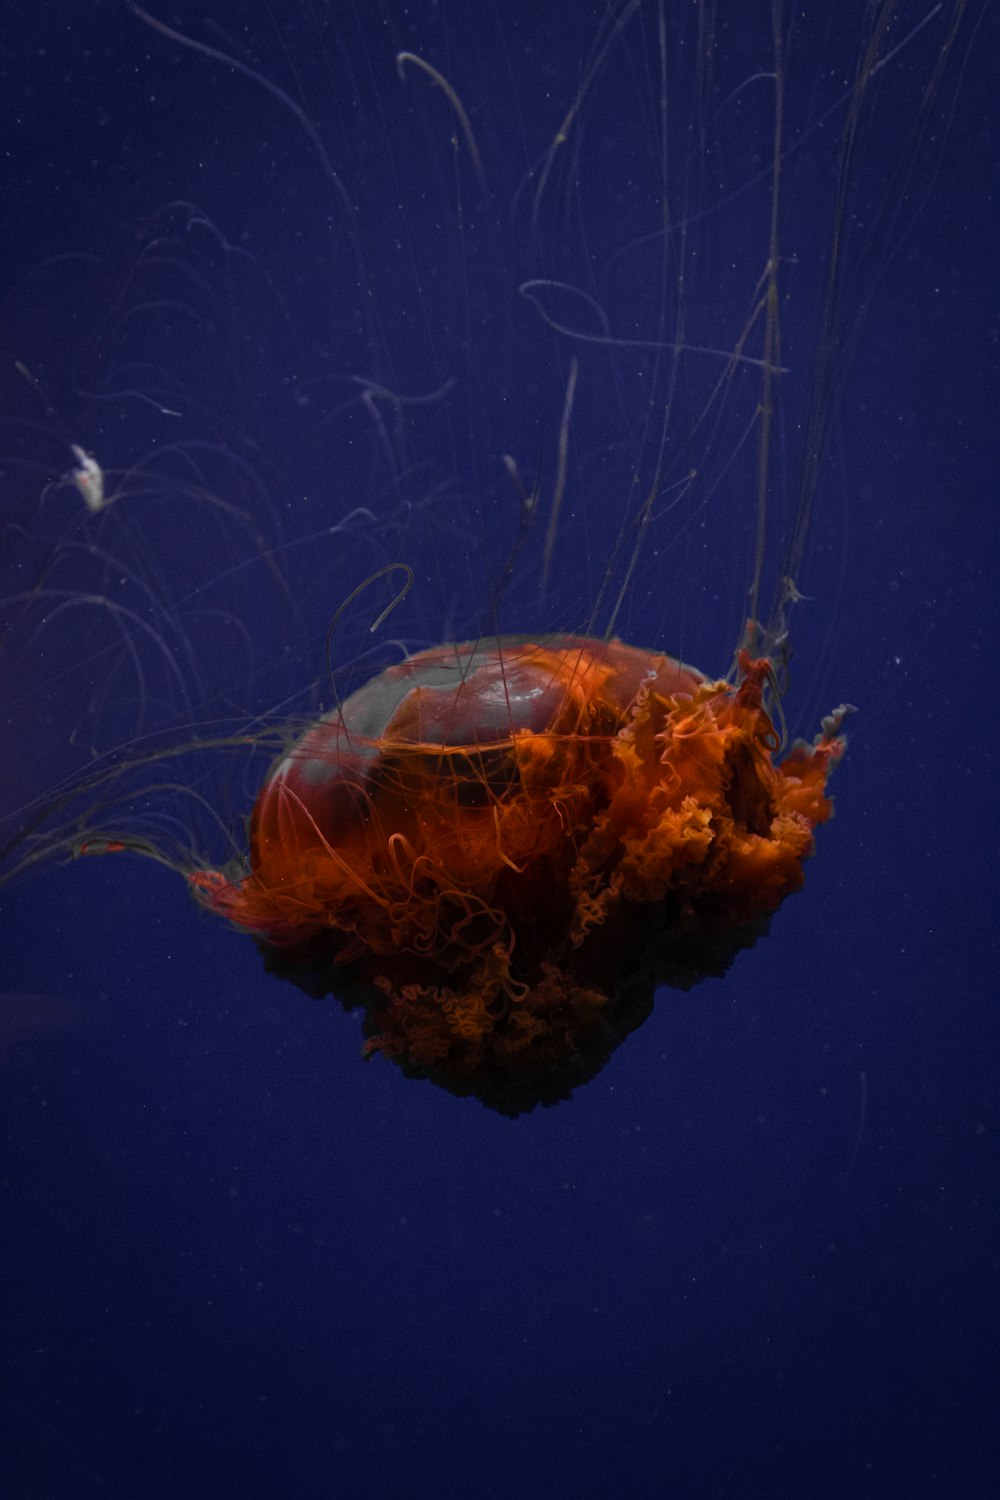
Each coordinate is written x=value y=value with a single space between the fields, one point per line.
x=758 y=1255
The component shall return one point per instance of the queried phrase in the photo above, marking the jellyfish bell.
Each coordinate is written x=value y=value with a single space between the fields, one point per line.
x=562 y=343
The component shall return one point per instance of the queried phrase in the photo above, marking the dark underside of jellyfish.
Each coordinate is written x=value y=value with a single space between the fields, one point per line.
x=615 y=974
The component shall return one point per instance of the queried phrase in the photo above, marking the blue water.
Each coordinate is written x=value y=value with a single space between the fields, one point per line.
x=757 y=1255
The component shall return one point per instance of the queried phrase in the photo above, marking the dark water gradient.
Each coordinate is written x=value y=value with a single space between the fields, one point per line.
x=757 y=1256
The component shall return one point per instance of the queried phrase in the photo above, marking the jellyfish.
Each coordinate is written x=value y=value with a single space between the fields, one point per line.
x=563 y=348
x=501 y=848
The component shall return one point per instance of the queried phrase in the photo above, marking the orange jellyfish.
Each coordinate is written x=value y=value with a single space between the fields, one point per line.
x=499 y=849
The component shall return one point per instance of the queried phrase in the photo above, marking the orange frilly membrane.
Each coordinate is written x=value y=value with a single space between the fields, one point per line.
x=500 y=849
